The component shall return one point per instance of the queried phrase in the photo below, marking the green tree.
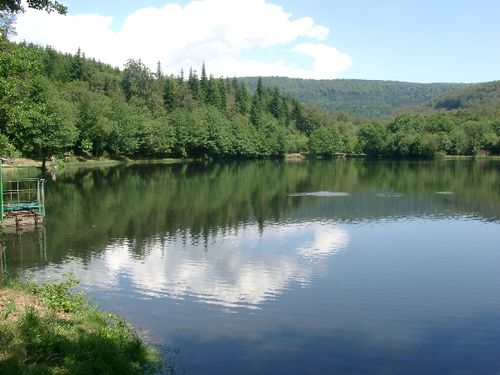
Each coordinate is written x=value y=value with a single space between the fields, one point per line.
x=222 y=91
x=274 y=105
x=7 y=24
x=194 y=83
x=125 y=120
x=260 y=89
x=15 y=6
x=373 y=138
x=241 y=97
x=310 y=120
x=156 y=138
x=43 y=123
x=93 y=119
x=169 y=95
x=78 y=68
x=159 y=72
x=325 y=141
x=475 y=131
x=204 y=82
x=256 y=111
x=137 y=81
x=211 y=92
x=6 y=148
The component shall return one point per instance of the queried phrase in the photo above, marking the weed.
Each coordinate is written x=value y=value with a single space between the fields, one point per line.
x=8 y=309
x=83 y=340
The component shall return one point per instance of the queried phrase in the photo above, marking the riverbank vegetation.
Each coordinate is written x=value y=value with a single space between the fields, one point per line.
x=61 y=104
x=47 y=329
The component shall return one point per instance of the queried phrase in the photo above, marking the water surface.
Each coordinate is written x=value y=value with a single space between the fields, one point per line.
x=348 y=267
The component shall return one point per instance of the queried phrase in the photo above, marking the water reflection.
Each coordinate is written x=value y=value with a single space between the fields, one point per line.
x=392 y=277
x=321 y=194
x=389 y=195
x=23 y=249
x=243 y=268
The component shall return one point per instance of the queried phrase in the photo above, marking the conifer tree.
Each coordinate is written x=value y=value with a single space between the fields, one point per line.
x=274 y=105
x=222 y=88
x=203 y=80
x=159 y=72
x=260 y=89
x=169 y=95
x=193 y=83
x=242 y=98
x=78 y=68
x=256 y=111
x=211 y=92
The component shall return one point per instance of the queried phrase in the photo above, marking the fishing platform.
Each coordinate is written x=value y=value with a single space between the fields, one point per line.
x=22 y=203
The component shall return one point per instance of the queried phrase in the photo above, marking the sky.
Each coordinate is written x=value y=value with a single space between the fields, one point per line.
x=414 y=41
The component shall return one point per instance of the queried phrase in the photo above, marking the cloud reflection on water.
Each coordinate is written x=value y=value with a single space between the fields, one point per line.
x=243 y=268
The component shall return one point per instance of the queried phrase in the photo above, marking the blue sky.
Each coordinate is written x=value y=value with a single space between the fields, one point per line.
x=419 y=41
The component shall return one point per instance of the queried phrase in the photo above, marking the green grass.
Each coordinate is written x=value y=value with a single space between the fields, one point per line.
x=48 y=329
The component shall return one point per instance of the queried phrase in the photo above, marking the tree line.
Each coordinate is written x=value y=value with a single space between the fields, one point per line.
x=356 y=96
x=54 y=104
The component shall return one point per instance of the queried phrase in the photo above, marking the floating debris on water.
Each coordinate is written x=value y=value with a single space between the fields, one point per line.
x=389 y=195
x=321 y=194
x=444 y=192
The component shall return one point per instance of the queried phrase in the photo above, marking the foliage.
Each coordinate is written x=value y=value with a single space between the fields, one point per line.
x=7 y=22
x=55 y=104
x=485 y=94
x=40 y=113
x=355 y=97
x=15 y=6
x=66 y=335
x=6 y=148
x=223 y=195
x=57 y=295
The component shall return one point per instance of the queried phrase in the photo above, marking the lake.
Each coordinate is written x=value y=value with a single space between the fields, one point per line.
x=321 y=267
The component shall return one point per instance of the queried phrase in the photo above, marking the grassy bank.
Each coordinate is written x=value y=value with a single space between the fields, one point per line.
x=47 y=329
x=75 y=162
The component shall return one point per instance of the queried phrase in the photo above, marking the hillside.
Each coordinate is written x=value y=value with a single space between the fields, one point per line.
x=62 y=104
x=356 y=97
x=473 y=96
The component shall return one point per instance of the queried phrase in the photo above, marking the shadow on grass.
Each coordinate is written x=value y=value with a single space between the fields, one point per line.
x=58 y=332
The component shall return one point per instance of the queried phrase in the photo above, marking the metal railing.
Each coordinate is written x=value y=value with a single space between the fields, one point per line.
x=27 y=194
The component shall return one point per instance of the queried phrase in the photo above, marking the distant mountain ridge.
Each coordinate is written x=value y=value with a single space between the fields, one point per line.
x=472 y=96
x=370 y=98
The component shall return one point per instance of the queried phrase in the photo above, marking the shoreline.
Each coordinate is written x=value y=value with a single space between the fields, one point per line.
x=49 y=328
x=20 y=163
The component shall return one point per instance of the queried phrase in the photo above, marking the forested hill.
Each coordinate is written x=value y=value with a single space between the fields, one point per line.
x=474 y=96
x=356 y=97
x=55 y=104
x=62 y=104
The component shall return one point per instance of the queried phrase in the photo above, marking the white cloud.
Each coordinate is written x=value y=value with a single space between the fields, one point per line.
x=215 y=31
x=326 y=58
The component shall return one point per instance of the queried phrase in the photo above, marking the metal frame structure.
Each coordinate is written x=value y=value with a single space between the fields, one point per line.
x=22 y=201
x=25 y=194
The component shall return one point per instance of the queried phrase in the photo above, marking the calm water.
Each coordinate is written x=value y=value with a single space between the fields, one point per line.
x=338 y=267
